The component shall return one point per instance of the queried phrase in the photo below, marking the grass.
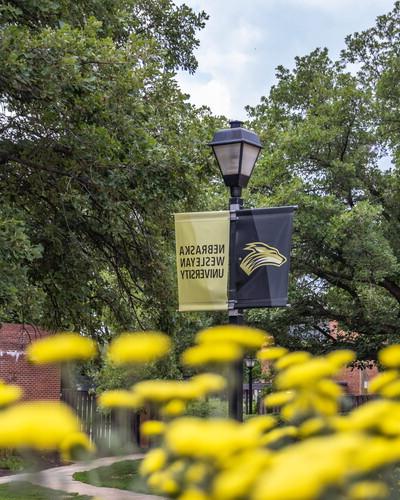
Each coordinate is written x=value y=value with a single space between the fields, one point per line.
x=123 y=475
x=28 y=491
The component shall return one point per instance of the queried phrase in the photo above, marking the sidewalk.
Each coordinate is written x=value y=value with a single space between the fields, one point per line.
x=61 y=478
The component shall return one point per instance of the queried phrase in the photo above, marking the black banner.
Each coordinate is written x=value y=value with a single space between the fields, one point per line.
x=262 y=256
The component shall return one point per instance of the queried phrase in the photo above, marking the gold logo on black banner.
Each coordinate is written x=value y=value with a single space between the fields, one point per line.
x=260 y=255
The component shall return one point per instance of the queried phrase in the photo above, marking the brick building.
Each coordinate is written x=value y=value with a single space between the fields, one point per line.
x=355 y=381
x=38 y=382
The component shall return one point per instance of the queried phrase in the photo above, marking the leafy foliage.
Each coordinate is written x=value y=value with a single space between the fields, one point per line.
x=98 y=149
x=328 y=136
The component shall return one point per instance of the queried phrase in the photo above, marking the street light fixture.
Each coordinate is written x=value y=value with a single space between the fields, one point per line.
x=250 y=363
x=236 y=150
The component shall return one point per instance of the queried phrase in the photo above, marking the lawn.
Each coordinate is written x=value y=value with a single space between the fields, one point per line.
x=123 y=475
x=28 y=491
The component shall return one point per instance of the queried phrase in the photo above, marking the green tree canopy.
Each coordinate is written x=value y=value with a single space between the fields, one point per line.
x=98 y=148
x=329 y=136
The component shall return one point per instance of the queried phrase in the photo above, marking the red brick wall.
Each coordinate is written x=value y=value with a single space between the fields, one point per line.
x=357 y=380
x=38 y=382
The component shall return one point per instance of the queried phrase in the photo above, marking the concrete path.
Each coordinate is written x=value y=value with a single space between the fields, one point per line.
x=60 y=478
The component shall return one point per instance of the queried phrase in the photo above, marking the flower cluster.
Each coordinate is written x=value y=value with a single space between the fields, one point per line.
x=46 y=425
x=224 y=344
x=310 y=451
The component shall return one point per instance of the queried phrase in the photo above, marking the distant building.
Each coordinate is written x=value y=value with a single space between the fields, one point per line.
x=38 y=382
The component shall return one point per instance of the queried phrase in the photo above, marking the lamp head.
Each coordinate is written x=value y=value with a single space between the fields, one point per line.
x=236 y=150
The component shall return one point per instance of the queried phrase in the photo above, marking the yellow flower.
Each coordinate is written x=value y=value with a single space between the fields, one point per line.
x=271 y=353
x=215 y=353
x=341 y=357
x=293 y=358
x=41 y=425
x=262 y=422
x=163 y=483
x=278 y=398
x=312 y=426
x=162 y=391
x=368 y=416
x=119 y=399
x=61 y=347
x=368 y=490
x=236 y=481
x=303 y=470
x=193 y=494
x=153 y=428
x=197 y=472
x=173 y=408
x=329 y=389
x=278 y=434
x=209 y=382
x=9 y=394
x=246 y=337
x=153 y=461
x=138 y=347
x=382 y=379
x=76 y=446
x=390 y=356
x=378 y=452
x=208 y=439
x=305 y=373
x=391 y=390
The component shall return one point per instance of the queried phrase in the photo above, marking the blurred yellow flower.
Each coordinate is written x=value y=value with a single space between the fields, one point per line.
x=193 y=494
x=311 y=427
x=215 y=353
x=212 y=439
x=262 y=422
x=278 y=434
x=246 y=337
x=305 y=469
x=197 y=472
x=382 y=379
x=378 y=452
x=153 y=428
x=278 y=398
x=119 y=398
x=209 y=382
x=9 y=394
x=65 y=346
x=153 y=461
x=173 y=408
x=305 y=373
x=236 y=481
x=138 y=347
x=368 y=490
x=341 y=357
x=41 y=425
x=390 y=356
x=162 y=391
x=329 y=388
x=293 y=358
x=271 y=353
x=390 y=390
x=76 y=446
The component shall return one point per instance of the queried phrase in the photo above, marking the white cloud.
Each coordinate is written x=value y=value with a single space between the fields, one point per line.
x=243 y=42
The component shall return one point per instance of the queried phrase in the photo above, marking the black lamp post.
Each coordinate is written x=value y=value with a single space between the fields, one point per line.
x=250 y=363
x=236 y=150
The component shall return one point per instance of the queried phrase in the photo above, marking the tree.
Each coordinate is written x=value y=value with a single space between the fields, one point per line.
x=327 y=135
x=98 y=148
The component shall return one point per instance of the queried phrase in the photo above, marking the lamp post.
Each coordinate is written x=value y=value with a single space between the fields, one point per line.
x=236 y=150
x=250 y=363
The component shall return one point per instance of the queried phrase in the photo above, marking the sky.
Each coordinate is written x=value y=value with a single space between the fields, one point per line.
x=245 y=40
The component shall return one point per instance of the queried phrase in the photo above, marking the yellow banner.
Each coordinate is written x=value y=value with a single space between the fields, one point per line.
x=202 y=260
